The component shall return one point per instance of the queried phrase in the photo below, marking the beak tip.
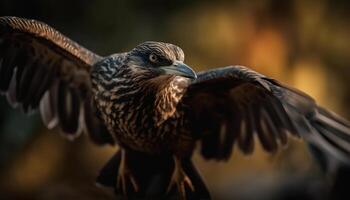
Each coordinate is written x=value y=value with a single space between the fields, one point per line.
x=180 y=69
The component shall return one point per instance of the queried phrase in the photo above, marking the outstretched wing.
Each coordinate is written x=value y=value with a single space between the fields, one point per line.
x=40 y=66
x=234 y=104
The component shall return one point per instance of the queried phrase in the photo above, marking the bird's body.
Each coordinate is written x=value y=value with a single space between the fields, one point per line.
x=127 y=103
x=156 y=108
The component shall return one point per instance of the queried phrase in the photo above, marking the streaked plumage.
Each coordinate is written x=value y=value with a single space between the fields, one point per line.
x=155 y=107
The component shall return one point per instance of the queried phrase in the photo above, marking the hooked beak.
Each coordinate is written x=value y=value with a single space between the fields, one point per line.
x=179 y=68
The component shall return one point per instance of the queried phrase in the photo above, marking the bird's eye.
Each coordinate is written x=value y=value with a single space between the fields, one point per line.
x=153 y=58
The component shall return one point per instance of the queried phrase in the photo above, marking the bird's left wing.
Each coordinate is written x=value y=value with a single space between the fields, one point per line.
x=235 y=104
x=39 y=65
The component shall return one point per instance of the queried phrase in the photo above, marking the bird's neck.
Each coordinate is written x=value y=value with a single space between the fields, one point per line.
x=168 y=91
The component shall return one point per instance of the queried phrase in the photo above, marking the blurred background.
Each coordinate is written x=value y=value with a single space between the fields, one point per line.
x=302 y=43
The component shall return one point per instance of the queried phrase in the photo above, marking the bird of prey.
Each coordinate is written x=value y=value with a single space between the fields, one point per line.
x=157 y=109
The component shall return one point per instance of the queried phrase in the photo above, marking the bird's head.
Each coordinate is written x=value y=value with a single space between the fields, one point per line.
x=160 y=58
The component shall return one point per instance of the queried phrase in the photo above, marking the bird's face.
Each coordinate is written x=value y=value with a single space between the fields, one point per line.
x=159 y=59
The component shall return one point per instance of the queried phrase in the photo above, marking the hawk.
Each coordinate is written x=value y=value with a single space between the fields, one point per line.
x=157 y=109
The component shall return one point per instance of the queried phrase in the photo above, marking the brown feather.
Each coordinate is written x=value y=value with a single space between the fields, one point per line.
x=40 y=56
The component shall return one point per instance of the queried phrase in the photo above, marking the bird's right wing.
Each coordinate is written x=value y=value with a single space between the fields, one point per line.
x=40 y=67
x=234 y=104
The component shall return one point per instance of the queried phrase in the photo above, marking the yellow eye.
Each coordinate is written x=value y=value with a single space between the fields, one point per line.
x=153 y=58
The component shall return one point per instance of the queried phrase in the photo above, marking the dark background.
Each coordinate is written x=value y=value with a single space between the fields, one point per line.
x=303 y=43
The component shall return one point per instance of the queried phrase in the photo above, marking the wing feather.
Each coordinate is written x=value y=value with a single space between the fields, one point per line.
x=247 y=103
x=245 y=136
x=40 y=67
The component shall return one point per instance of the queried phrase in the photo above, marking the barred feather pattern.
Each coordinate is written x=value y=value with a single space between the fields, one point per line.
x=43 y=31
x=127 y=96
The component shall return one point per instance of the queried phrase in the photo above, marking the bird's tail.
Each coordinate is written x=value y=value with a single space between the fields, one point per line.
x=152 y=175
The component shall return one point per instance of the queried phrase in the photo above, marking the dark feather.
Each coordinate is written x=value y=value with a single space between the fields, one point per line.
x=332 y=135
x=6 y=69
x=266 y=108
x=245 y=137
x=267 y=132
x=97 y=131
x=21 y=63
x=68 y=107
x=233 y=129
x=45 y=83
x=277 y=119
x=36 y=82
x=25 y=78
x=42 y=57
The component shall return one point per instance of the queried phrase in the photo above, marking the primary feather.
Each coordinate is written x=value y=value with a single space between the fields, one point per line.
x=40 y=66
